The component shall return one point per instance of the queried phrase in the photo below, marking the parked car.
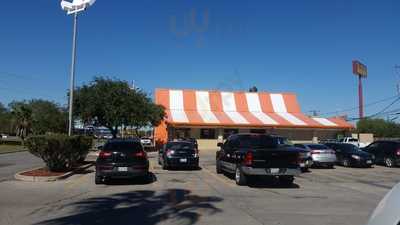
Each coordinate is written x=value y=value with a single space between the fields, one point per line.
x=385 y=152
x=387 y=211
x=146 y=142
x=121 y=158
x=252 y=155
x=192 y=140
x=306 y=161
x=350 y=155
x=353 y=141
x=321 y=155
x=179 y=154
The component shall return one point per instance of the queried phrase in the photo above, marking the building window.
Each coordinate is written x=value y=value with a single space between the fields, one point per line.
x=228 y=132
x=182 y=133
x=257 y=131
x=207 y=133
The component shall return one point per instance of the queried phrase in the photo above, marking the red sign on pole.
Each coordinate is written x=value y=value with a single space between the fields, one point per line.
x=359 y=69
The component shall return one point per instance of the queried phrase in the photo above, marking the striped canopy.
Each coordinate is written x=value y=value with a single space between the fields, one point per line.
x=241 y=109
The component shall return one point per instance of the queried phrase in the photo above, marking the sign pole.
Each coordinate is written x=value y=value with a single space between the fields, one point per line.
x=360 y=98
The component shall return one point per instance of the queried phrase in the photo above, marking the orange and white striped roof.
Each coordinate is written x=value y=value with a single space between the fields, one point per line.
x=244 y=109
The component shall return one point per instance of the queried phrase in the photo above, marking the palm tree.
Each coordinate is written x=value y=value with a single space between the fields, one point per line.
x=23 y=118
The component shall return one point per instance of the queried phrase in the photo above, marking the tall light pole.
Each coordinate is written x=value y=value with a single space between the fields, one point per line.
x=74 y=8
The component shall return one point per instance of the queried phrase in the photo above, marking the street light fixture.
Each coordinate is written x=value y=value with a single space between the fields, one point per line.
x=74 y=8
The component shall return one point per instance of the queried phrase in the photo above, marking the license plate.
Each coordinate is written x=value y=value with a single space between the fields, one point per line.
x=274 y=170
x=183 y=160
x=369 y=161
x=122 y=169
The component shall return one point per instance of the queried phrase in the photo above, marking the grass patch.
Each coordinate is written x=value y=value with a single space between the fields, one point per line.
x=11 y=148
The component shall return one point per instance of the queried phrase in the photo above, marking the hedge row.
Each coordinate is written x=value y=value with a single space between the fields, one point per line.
x=60 y=152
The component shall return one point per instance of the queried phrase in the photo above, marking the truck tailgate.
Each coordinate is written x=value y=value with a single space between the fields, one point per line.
x=275 y=159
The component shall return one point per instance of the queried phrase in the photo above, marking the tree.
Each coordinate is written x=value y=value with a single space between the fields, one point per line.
x=145 y=113
x=379 y=127
x=47 y=117
x=37 y=116
x=22 y=116
x=112 y=103
x=2 y=109
x=5 y=120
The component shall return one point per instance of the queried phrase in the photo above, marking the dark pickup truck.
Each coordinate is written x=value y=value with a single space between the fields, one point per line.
x=258 y=155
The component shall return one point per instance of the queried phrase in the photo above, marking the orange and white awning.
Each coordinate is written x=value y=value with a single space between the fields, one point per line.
x=244 y=109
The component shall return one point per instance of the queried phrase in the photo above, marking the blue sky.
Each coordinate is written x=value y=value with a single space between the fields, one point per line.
x=303 y=46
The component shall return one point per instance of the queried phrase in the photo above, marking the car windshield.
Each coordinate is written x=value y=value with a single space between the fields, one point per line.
x=123 y=146
x=284 y=141
x=258 y=141
x=318 y=147
x=180 y=146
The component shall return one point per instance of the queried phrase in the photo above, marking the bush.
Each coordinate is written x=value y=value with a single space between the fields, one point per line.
x=60 y=152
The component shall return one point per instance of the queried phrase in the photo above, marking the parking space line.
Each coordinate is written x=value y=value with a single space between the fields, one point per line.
x=216 y=176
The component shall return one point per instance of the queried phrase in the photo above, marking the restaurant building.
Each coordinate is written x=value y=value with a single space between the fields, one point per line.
x=210 y=116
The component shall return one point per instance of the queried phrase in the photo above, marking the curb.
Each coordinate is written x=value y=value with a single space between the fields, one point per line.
x=19 y=176
x=12 y=152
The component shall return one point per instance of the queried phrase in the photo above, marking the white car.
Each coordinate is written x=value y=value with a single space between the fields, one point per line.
x=146 y=142
x=388 y=210
x=353 y=141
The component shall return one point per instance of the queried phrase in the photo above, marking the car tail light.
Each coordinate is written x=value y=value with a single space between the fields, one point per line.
x=196 y=153
x=398 y=152
x=104 y=154
x=140 y=154
x=248 y=159
x=170 y=152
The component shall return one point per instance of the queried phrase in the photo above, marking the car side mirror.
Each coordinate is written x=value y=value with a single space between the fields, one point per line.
x=219 y=144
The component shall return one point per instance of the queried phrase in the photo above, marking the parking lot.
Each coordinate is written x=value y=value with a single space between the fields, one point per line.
x=322 y=196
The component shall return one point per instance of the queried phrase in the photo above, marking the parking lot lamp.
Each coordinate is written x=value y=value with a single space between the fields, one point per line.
x=73 y=8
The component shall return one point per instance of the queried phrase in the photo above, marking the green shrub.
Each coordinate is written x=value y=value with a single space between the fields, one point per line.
x=60 y=152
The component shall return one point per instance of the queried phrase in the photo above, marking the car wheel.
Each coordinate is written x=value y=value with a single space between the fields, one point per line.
x=346 y=163
x=389 y=162
x=286 y=180
x=98 y=180
x=331 y=166
x=240 y=178
x=218 y=167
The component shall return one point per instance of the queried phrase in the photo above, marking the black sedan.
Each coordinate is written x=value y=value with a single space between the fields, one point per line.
x=121 y=158
x=179 y=154
x=350 y=155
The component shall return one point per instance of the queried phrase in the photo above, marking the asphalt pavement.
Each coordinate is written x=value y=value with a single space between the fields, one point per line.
x=324 y=196
x=11 y=163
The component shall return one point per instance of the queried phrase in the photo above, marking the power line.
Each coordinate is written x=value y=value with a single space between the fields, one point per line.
x=381 y=112
x=356 y=107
